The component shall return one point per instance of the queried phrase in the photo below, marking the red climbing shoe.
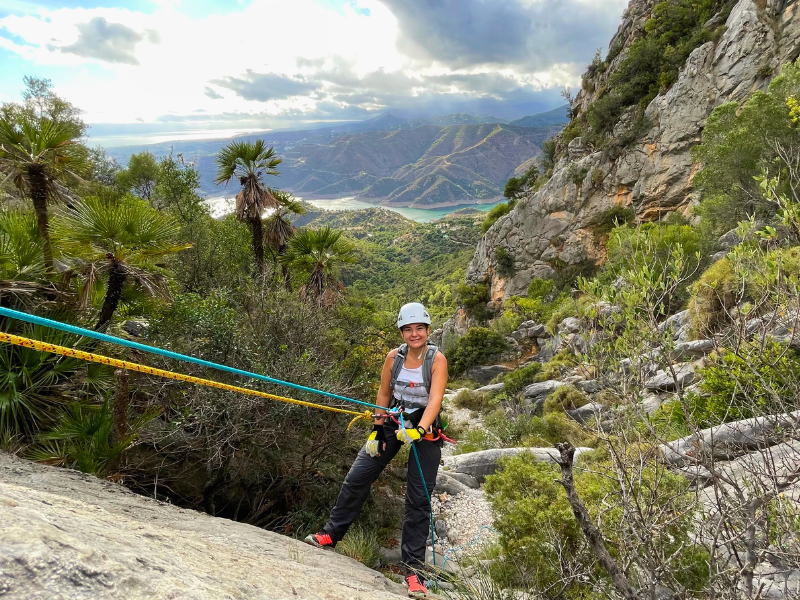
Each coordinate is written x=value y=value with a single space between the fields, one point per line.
x=416 y=589
x=320 y=540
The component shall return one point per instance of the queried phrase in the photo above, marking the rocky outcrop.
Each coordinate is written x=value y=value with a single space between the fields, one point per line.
x=553 y=227
x=730 y=440
x=483 y=463
x=69 y=536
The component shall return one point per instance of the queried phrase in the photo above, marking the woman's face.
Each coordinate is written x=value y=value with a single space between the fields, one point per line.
x=415 y=335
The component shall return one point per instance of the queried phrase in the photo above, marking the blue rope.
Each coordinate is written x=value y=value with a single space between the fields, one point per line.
x=474 y=541
x=427 y=495
x=21 y=316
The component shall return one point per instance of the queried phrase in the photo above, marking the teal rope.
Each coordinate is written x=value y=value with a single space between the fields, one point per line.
x=21 y=316
x=427 y=495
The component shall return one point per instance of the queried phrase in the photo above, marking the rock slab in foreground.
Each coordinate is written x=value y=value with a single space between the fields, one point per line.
x=69 y=536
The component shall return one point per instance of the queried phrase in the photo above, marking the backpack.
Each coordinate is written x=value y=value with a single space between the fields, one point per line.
x=427 y=367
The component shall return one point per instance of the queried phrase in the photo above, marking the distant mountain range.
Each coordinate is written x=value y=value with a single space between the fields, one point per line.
x=426 y=163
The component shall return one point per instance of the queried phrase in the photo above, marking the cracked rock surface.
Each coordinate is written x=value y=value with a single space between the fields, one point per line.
x=66 y=535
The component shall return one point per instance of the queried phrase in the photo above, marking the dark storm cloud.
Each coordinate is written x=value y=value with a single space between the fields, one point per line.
x=535 y=35
x=267 y=86
x=110 y=42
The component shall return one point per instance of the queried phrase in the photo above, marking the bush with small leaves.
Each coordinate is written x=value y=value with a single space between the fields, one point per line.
x=515 y=381
x=477 y=401
x=476 y=346
x=564 y=398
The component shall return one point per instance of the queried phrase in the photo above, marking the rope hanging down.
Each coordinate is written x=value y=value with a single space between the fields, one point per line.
x=33 y=319
x=124 y=364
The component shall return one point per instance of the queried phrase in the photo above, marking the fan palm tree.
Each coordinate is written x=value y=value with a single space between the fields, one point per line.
x=36 y=153
x=119 y=240
x=320 y=253
x=278 y=229
x=250 y=161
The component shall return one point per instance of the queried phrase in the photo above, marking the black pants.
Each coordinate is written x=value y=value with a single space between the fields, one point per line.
x=365 y=470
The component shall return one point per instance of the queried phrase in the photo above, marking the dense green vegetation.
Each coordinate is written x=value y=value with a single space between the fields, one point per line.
x=309 y=298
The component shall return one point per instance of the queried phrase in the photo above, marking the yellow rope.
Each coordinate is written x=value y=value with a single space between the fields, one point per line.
x=124 y=364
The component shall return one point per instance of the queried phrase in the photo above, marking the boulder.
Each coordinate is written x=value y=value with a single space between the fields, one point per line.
x=484 y=374
x=135 y=328
x=467 y=480
x=570 y=325
x=691 y=350
x=73 y=536
x=590 y=386
x=447 y=484
x=664 y=380
x=730 y=440
x=588 y=411
x=542 y=389
x=492 y=388
x=676 y=323
x=483 y=463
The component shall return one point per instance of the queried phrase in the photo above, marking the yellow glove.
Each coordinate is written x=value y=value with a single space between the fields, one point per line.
x=375 y=441
x=407 y=436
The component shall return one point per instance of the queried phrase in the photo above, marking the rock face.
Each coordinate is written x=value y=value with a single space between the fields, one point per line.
x=69 y=536
x=553 y=227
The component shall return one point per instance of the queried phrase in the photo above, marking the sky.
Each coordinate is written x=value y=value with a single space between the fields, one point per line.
x=201 y=67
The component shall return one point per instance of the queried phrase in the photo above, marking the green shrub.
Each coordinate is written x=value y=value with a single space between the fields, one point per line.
x=650 y=249
x=477 y=401
x=360 y=544
x=738 y=141
x=541 y=540
x=534 y=519
x=564 y=398
x=516 y=187
x=713 y=295
x=549 y=156
x=506 y=323
x=475 y=347
x=557 y=366
x=505 y=261
x=613 y=217
x=515 y=381
x=756 y=381
x=495 y=213
x=473 y=297
x=555 y=427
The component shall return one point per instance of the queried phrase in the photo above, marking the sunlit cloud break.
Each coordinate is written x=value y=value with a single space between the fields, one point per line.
x=267 y=64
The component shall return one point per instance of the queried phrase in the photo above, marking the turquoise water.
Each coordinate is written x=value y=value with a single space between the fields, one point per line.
x=220 y=206
x=420 y=215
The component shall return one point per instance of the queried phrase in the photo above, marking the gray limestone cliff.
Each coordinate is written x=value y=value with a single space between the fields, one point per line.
x=70 y=536
x=553 y=227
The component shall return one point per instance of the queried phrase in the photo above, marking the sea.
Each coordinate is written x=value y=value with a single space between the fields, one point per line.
x=219 y=206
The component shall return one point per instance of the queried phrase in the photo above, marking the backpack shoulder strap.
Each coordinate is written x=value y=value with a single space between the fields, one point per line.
x=427 y=366
x=399 y=360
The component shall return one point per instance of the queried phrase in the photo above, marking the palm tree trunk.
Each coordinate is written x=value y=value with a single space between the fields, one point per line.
x=258 y=242
x=37 y=179
x=287 y=276
x=116 y=280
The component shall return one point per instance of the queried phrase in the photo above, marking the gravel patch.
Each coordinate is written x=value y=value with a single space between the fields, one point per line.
x=464 y=515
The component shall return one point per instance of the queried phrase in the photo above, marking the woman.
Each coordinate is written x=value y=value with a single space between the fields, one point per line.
x=421 y=407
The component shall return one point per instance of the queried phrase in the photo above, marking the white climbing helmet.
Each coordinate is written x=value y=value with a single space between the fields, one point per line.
x=413 y=312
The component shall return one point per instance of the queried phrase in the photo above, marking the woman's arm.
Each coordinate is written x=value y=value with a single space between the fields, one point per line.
x=438 y=383
x=384 y=393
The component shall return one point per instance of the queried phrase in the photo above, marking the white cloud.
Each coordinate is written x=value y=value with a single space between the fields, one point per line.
x=271 y=59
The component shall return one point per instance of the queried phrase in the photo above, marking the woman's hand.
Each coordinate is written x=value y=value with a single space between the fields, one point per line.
x=376 y=442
